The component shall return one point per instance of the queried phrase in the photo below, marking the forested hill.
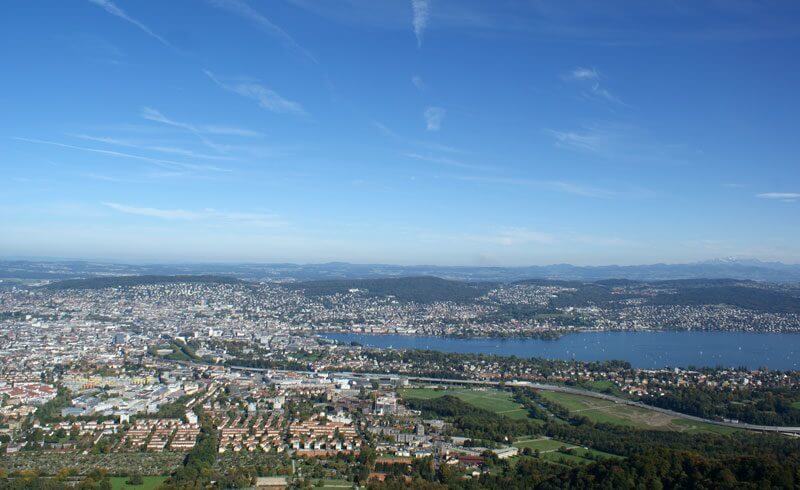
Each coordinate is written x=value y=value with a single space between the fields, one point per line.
x=122 y=281
x=748 y=297
x=424 y=289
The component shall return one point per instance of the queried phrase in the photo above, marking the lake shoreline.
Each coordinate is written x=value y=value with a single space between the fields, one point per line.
x=642 y=349
x=551 y=335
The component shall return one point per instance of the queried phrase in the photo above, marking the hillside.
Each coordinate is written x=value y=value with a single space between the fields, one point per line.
x=417 y=289
x=124 y=281
x=751 y=298
x=681 y=292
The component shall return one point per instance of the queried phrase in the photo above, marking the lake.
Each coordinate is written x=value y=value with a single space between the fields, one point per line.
x=779 y=351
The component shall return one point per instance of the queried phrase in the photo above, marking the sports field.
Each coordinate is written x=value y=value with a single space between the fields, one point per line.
x=497 y=401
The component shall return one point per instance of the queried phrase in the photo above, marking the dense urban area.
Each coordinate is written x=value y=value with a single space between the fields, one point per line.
x=199 y=381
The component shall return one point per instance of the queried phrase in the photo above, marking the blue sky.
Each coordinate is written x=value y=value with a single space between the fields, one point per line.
x=439 y=131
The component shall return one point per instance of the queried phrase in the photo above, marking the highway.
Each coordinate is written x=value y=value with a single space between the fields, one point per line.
x=536 y=386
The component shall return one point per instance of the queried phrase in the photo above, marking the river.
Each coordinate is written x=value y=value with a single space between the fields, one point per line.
x=779 y=351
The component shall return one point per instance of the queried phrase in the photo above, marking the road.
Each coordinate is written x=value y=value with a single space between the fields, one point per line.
x=537 y=386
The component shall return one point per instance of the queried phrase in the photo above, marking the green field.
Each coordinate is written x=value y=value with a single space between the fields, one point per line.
x=580 y=451
x=608 y=412
x=578 y=455
x=604 y=411
x=150 y=483
x=796 y=405
x=562 y=458
x=692 y=426
x=541 y=443
x=497 y=401
x=595 y=409
x=549 y=450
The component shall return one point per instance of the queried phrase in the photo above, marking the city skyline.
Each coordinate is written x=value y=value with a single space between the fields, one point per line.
x=413 y=132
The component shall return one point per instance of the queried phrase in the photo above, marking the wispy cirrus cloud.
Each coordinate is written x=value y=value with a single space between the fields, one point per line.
x=580 y=189
x=113 y=9
x=434 y=117
x=387 y=131
x=418 y=82
x=202 y=132
x=598 y=91
x=621 y=143
x=450 y=162
x=589 y=80
x=207 y=215
x=156 y=161
x=553 y=20
x=428 y=145
x=157 y=148
x=780 y=196
x=229 y=131
x=157 y=116
x=566 y=187
x=104 y=177
x=243 y=9
x=143 y=178
x=581 y=73
x=421 y=10
x=172 y=214
x=593 y=141
x=267 y=98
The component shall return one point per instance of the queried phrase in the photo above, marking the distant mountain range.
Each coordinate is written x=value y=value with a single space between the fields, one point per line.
x=722 y=268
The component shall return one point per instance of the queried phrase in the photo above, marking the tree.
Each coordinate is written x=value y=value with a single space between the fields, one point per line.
x=135 y=479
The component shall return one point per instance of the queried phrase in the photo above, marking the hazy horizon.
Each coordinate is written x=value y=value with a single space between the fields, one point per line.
x=718 y=260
